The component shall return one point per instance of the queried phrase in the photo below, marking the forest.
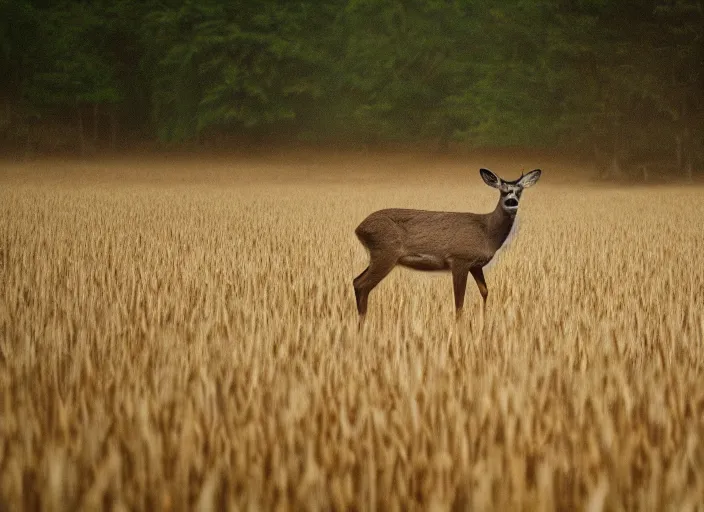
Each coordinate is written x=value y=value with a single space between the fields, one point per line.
x=619 y=82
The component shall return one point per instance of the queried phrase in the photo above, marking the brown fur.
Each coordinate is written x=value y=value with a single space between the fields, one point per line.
x=424 y=240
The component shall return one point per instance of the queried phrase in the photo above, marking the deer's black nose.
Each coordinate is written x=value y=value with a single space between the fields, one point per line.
x=511 y=202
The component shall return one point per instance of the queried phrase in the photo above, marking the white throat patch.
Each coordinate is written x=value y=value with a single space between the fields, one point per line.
x=510 y=238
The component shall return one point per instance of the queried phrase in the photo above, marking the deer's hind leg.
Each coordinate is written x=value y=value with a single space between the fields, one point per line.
x=380 y=264
x=357 y=289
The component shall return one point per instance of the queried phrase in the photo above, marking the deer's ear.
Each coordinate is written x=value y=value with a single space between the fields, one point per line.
x=490 y=178
x=530 y=179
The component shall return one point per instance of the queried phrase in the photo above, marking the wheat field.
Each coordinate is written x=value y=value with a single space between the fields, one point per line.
x=183 y=336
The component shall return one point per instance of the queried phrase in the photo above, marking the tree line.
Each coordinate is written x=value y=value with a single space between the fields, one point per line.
x=621 y=82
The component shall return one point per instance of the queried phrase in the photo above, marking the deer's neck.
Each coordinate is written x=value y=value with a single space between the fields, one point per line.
x=499 y=225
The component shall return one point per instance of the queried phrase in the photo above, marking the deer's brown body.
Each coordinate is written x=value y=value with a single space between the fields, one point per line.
x=424 y=240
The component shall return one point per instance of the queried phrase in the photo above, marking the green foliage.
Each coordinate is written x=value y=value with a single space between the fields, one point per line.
x=18 y=30
x=403 y=68
x=73 y=66
x=624 y=76
x=513 y=96
x=226 y=64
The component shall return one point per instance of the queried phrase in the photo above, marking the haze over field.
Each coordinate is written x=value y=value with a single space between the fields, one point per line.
x=620 y=83
x=182 y=334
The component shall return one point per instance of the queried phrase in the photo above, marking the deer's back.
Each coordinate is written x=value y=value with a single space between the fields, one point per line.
x=445 y=234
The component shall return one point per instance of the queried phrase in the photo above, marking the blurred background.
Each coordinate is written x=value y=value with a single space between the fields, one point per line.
x=616 y=83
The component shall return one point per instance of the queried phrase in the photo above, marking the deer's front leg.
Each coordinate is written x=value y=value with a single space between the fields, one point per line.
x=459 y=282
x=478 y=276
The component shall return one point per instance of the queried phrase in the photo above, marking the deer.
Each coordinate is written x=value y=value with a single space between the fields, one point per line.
x=459 y=242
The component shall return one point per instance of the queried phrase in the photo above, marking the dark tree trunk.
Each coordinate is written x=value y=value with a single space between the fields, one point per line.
x=599 y=161
x=28 y=141
x=113 y=129
x=686 y=150
x=689 y=170
x=81 y=133
x=95 y=123
x=684 y=153
x=614 y=168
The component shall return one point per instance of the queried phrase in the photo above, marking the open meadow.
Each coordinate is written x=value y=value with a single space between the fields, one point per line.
x=182 y=335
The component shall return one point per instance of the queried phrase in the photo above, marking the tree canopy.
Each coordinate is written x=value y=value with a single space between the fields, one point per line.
x=620 y=80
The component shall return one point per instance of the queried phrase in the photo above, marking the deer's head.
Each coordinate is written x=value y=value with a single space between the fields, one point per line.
x=510 y=190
